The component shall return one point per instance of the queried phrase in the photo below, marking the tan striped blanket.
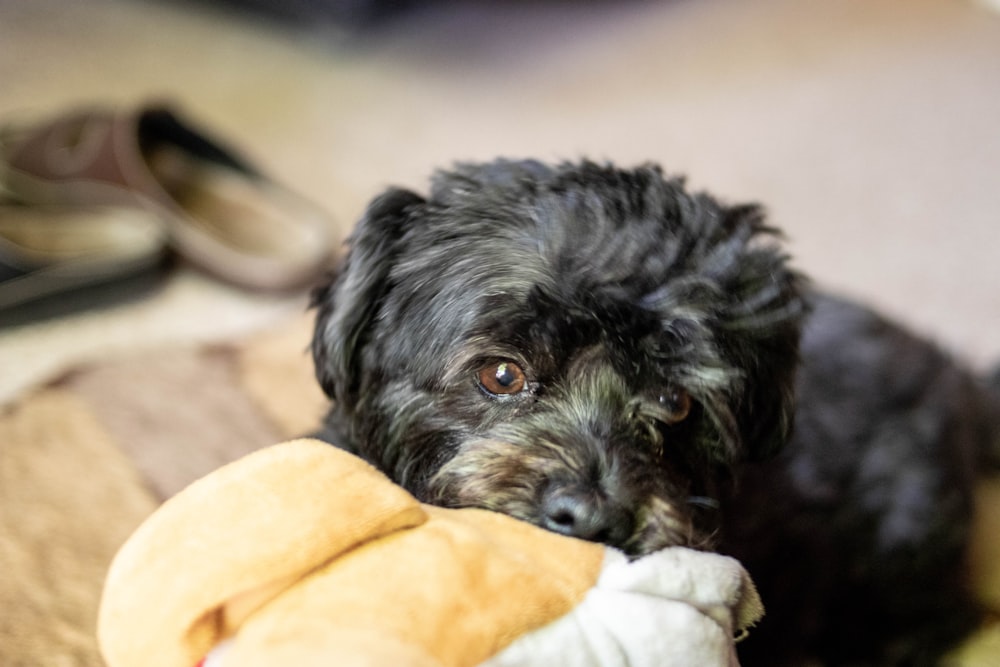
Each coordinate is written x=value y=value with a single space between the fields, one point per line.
x=84 y=459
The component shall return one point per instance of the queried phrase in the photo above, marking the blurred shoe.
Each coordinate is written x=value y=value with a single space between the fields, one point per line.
x=61 y=253
x=220 y=212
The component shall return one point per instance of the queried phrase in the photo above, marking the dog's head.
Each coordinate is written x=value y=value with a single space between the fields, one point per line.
x=585 y=348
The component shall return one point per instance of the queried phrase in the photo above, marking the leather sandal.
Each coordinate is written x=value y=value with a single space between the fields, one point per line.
x=220 y=212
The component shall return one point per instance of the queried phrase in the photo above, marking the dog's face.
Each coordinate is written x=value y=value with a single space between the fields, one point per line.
x=588 y=349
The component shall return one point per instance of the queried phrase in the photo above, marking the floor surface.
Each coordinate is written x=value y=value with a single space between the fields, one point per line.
x=871 y=131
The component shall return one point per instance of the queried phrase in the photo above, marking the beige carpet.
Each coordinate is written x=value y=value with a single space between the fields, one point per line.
x=871 y=130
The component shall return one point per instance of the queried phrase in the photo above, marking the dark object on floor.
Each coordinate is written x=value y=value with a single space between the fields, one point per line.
x=57 y=260
x=345 y=14
x=219 y=212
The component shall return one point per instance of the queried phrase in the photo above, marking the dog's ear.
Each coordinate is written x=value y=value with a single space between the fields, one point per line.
x=765 y=322
x=765 y=416
x=349 y=302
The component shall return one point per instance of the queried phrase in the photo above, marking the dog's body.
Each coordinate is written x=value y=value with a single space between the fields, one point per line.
x=605 y=355
x=856 y=533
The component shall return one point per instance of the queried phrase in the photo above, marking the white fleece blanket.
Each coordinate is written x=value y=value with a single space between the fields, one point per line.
x=675 y=607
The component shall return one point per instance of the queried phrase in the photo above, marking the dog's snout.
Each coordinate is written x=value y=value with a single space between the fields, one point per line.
x=588 y=515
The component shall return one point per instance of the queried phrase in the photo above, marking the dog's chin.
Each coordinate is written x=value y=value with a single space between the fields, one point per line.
x=513 y=480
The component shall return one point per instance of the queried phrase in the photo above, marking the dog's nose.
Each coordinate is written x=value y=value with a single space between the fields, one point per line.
x=588 y=515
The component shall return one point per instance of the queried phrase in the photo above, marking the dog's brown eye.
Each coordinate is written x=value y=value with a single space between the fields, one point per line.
x=502 y=378
x=676 y=405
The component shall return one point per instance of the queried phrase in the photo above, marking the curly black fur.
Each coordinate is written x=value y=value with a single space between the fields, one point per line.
x=856 y=533
x=615 y=290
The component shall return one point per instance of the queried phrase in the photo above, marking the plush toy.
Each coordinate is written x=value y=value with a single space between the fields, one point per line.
x=301 y=554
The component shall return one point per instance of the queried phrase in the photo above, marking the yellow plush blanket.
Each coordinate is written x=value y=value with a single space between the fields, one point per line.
x=301 y=554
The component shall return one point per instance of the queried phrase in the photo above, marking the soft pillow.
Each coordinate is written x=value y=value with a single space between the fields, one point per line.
x=302 y=554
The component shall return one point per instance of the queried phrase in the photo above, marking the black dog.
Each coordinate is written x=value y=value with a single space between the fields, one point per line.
x=603 y=354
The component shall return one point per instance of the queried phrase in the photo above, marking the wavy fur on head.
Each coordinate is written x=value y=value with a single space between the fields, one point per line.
x=613 y=290
x=607 y=355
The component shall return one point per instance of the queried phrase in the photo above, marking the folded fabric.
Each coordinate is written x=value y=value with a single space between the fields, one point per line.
x=221 y=213
x=302 y=554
